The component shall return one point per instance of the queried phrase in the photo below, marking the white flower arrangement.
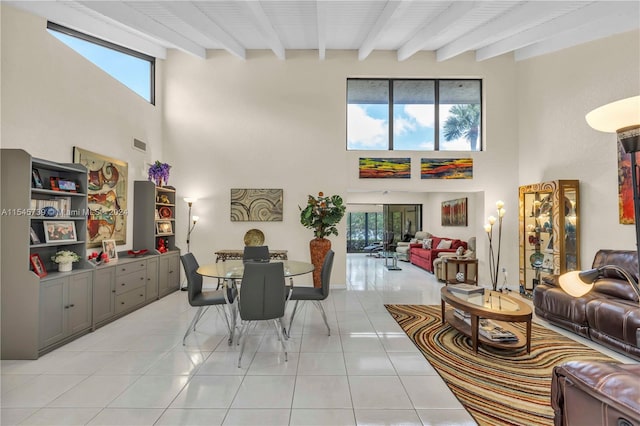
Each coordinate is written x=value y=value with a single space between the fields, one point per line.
x=65 y=256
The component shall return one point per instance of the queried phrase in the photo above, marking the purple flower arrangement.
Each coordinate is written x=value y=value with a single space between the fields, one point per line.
x=159 y=172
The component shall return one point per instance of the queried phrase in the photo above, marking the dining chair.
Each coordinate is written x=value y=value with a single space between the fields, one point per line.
x=256 y=254
x=262 y=297
x=315 y=295
x=222 y=298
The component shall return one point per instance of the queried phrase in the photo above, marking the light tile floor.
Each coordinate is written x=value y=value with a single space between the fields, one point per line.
x=135 y=370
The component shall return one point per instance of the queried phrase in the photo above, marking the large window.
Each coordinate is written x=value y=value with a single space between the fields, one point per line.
x=414 y=115
x=133 y=69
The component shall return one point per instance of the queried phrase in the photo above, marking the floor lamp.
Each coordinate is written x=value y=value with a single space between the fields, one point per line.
x=191 y=225
x=623 y=118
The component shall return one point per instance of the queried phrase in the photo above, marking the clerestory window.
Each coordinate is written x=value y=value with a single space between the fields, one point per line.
x=133 y=69
x=414 y=114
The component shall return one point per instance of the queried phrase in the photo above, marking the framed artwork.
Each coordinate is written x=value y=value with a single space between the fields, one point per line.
x=385 y=168
x=454 y=212
x=256 y=205
x=34 y=237
x=37 y=265
x=107 y=197
x=109 y=247
x=59 y=230
x=625 y=186
x=549 y=247
x=164 y=227
x=446 y=168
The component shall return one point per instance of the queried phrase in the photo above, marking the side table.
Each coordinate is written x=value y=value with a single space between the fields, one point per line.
x=455 y=265
x=394 y=260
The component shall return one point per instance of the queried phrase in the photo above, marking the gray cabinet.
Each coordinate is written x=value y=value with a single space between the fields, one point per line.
x=169 y=273
x=104 y=294
x=65 y=308
x=152 y=278
x=131 y=283
x=28 y=185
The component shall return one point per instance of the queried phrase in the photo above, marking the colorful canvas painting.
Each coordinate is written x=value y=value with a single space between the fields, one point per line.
x=446 y=168
x=106 y=197
x=454 y=212
x=385 y=168
x=256 y=205
x=625 y=186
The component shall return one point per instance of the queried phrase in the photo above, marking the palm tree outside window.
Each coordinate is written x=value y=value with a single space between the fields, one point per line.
x=414 y=114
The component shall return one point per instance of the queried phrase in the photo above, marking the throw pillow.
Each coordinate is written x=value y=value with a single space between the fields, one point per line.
x=413 y=241
x=460 y=251
x=444 y=244
x=426 y=244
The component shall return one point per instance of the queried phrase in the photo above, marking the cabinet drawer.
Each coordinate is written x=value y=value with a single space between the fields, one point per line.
x=125 y=283
x=130 y=299
x=130 y=267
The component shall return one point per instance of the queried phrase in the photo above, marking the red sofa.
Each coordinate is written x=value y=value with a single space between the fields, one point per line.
x=424 y=258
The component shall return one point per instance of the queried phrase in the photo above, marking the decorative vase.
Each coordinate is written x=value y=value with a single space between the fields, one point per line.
x=318 y=247
x=65 y=267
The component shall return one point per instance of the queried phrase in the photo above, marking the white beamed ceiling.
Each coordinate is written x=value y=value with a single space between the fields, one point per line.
x=448 y=28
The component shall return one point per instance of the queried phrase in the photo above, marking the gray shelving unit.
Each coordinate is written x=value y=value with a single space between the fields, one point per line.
x=24 y=305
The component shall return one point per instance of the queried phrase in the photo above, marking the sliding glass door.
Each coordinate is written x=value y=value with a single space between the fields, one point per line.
x=366 y=224
x=363 y=229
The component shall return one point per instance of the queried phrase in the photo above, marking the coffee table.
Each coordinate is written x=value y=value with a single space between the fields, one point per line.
x=391 y=256
x=491 y=305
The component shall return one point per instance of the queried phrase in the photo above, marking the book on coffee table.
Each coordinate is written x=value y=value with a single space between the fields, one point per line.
x=465 y=289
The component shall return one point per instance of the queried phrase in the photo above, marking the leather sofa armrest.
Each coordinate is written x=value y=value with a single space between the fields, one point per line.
x=551 y=280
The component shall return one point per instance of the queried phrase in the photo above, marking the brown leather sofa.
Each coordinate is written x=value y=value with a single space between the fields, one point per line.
x=609 y=314
x=587 y=393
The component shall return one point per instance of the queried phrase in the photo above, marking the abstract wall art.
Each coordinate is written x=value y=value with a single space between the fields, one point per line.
x=625 y=186
x=454 y=212
x=256 y=205
x=385 y=168
x=446 y=168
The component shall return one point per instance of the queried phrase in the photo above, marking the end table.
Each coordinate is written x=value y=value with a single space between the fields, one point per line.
x=455 y=265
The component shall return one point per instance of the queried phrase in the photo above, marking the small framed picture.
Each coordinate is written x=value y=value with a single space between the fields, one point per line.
x=157 y=214
x=37 y=265
x=35 y=178
x=59 y=230
x=34 y=237
x=164 y=227
x=549 y=247
x=109 y=247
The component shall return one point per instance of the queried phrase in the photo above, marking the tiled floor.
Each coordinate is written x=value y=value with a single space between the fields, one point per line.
x=135 y=371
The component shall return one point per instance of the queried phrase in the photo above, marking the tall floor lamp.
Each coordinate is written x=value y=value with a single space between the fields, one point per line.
x=191 y=225
x=623 y=118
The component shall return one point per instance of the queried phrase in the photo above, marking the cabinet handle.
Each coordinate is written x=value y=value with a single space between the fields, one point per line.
x=142 y=295
x=72 y=305
x=122 y=303
x=113 y=291
x=142 y=264
x=123 y=284
x=66 y=307
x=141 y=278
x=124 y=269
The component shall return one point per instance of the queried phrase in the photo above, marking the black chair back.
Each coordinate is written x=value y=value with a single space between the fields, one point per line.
x=262 y=294
x=256 y=254
x=194 y=279
x=325 y=274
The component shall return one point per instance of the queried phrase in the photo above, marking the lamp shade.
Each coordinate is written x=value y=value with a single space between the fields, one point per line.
x=616 y=115
x=573 y=285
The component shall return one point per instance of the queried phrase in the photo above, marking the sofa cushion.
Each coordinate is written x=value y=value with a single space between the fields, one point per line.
x=616 y=288
x=458 y=243
x=614 y=318
x=427 y=243
x=444 y=244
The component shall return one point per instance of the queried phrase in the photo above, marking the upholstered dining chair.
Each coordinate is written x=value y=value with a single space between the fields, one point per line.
x=263 y=296
x=222 y=298
x=255 y=254
x=315 y=295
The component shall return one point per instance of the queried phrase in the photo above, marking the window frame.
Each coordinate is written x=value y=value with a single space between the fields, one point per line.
x=436 y=106
x=121 y=49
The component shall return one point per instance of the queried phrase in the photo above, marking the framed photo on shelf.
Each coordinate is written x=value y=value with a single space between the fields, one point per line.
x=549 y=247
x=60 y=184
x=36 y=179
x=164 y=227
x=34 y=237
x=37 y=265
x=59 y=231
x=109 y=247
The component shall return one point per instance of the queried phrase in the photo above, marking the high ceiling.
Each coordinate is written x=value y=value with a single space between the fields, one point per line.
x=448 y=28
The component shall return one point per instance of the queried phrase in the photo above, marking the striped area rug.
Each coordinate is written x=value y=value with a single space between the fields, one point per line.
x=497 y=387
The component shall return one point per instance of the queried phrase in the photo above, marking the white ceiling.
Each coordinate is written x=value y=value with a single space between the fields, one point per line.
x=448 y=28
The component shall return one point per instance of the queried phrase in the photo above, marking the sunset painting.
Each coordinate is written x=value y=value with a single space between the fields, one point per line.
x=385 y=168
x=446 y=168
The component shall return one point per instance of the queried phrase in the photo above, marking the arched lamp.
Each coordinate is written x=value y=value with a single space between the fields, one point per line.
x=579 y=283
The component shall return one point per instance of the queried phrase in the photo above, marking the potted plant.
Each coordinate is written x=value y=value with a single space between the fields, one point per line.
x=159 y=172
x=65 y=259
x=321 y=214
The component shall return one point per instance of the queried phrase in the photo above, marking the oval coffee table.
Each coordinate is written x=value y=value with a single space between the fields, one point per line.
x=491 y=305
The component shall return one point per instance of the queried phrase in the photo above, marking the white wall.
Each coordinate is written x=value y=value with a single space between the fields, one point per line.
x=53 y=99
x=268 y=123
x=554 y=93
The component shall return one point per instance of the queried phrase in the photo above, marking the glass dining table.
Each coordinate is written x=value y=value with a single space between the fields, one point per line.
x=234 y=269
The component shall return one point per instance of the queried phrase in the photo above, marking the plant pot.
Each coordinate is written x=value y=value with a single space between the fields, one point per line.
x=318 y=247
x=65 y=267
